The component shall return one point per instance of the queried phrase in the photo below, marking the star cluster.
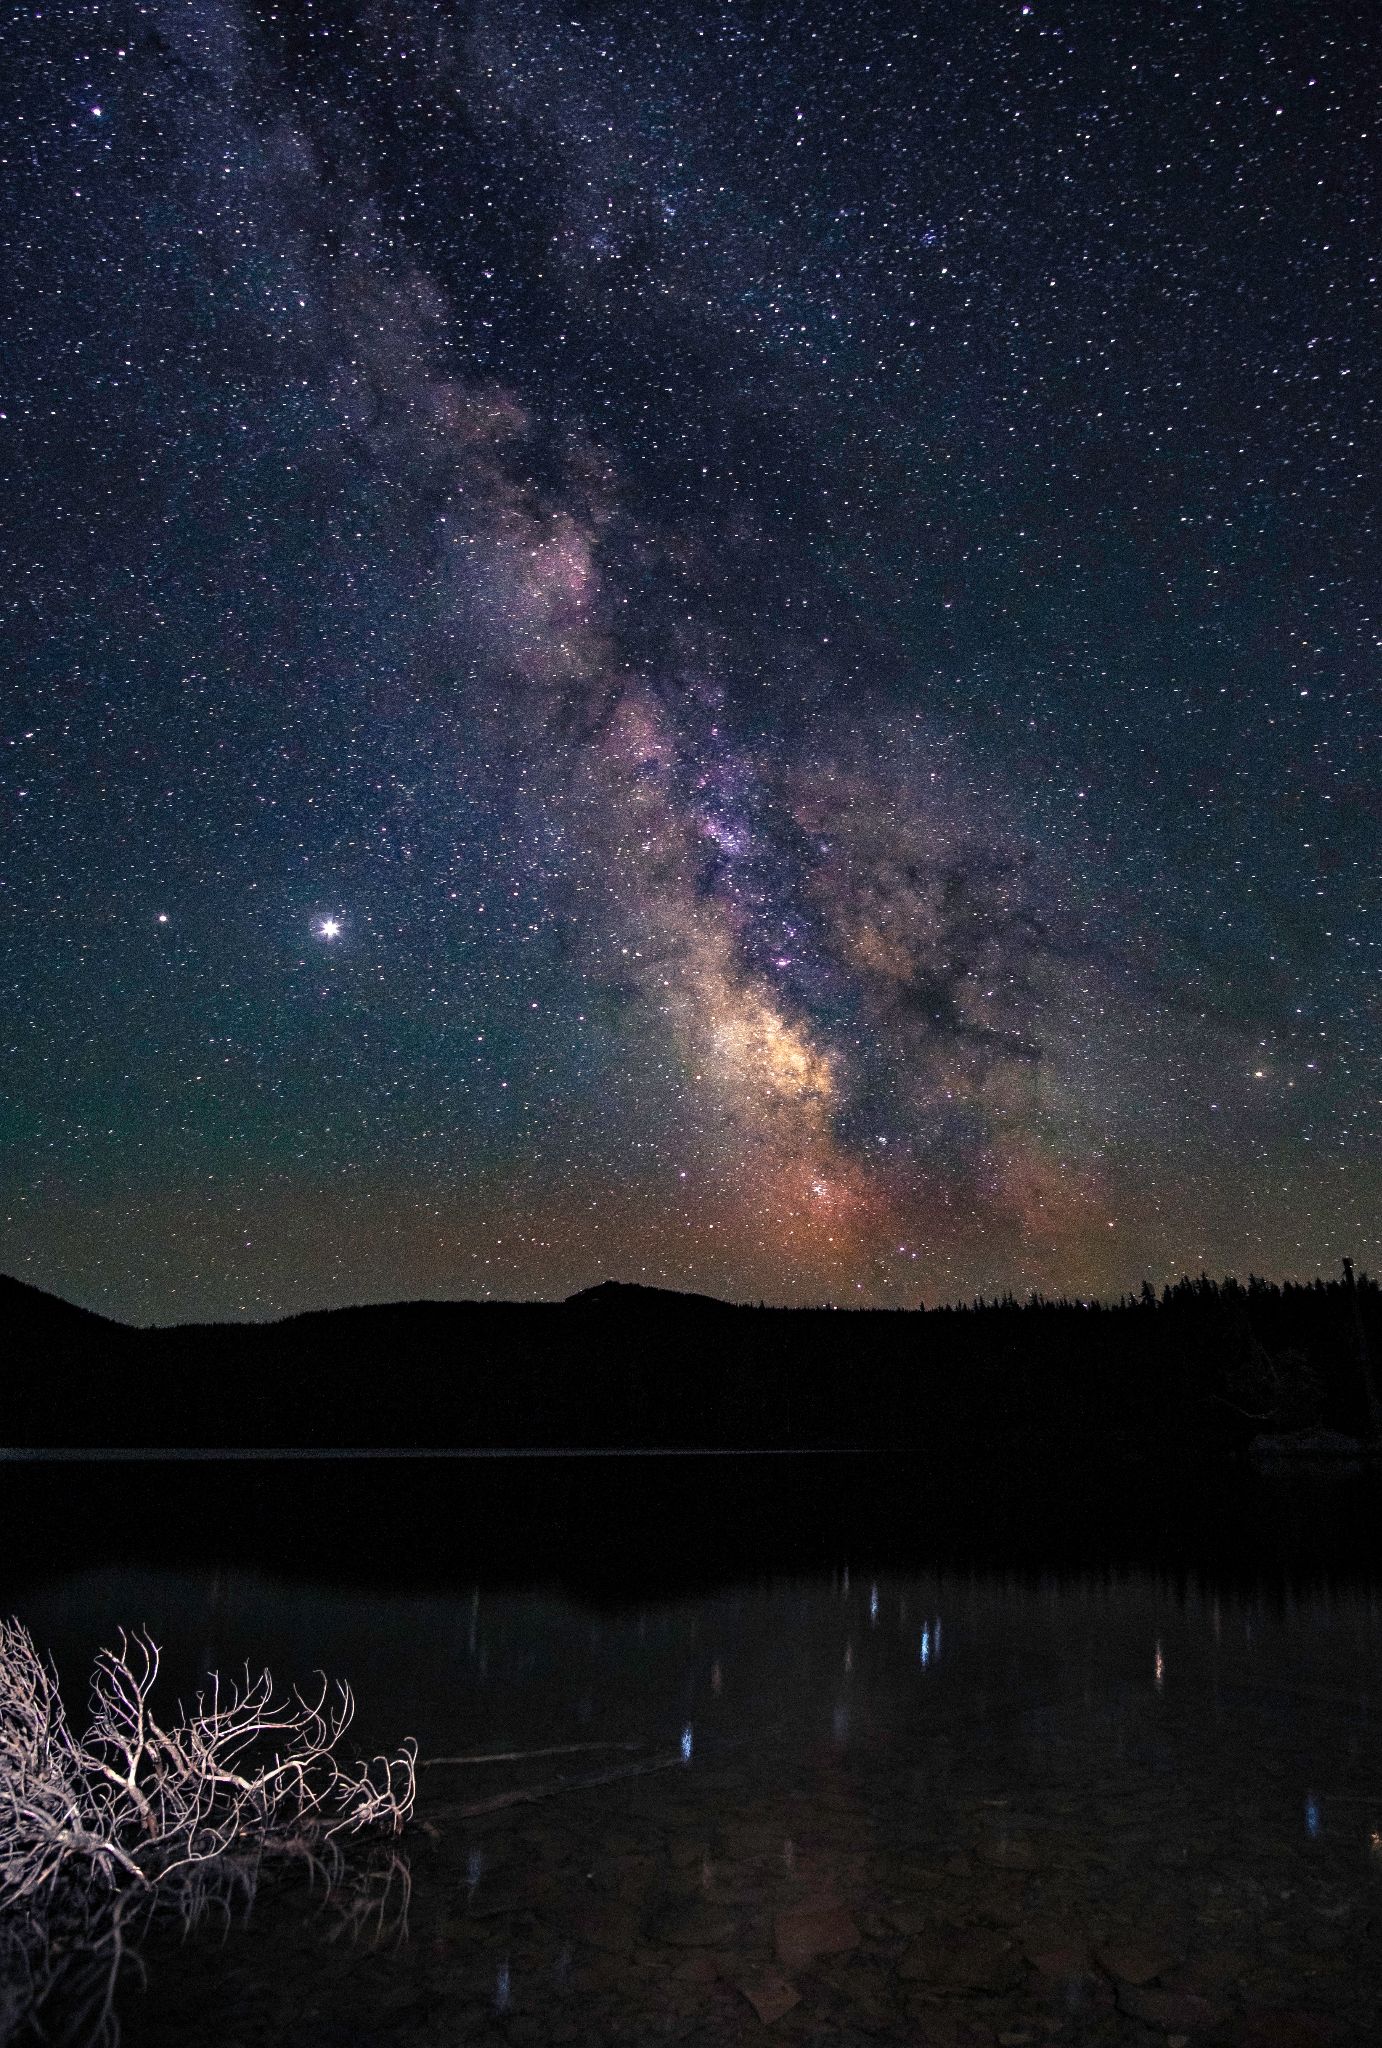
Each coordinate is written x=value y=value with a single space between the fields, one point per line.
x=734 y=646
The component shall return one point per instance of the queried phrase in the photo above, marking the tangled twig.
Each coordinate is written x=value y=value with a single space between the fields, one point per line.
x=96 y=1828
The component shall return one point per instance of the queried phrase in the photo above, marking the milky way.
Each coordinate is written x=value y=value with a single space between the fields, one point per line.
x=717 y=646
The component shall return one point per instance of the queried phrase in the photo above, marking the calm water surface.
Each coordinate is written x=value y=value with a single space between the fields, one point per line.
x=928 y=1798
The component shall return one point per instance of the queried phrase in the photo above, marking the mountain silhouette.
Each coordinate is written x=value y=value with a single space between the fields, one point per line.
x=1204 y=1366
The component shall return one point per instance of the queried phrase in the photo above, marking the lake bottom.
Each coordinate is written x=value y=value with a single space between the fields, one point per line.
x=957 y=1805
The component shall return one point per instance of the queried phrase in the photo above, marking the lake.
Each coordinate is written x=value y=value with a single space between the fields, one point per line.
x=889 y=1752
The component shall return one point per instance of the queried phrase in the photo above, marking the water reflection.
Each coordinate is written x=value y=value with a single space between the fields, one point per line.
x=906 y=1807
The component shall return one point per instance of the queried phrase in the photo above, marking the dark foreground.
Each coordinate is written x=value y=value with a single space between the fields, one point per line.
x=943 y=1758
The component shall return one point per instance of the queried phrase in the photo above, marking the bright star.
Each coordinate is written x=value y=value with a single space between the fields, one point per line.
x=329 y=928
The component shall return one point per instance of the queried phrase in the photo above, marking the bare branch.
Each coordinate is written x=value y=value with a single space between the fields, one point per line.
x=180 y=1815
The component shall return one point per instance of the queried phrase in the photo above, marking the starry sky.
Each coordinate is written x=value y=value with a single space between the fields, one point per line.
x=728 y=645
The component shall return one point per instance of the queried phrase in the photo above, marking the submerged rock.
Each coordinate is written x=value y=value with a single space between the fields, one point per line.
x=770 y=1995
x=961 y=1959
x=1135 y=1965
x=691 y=1925
x=820 y=1929
x=1175 y=2012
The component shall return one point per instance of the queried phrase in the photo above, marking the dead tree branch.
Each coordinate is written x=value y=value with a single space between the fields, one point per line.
x=97 y=1827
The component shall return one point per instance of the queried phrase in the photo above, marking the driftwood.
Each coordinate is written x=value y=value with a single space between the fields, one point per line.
x=520 y=1756
x=528 y=1795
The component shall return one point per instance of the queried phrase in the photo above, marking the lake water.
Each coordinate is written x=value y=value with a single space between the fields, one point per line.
x=934 y=1760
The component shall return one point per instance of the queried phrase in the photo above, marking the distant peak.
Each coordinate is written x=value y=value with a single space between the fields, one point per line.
x=629 y=1294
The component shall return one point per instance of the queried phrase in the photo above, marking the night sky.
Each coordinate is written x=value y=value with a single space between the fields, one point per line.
x=733 y=646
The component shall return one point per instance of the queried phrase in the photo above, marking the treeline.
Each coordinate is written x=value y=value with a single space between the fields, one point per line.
x=1204 y=1361
x=1255 y=1295
x=1203 y=1366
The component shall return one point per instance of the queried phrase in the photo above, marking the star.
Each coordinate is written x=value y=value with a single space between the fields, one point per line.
x=329 y=928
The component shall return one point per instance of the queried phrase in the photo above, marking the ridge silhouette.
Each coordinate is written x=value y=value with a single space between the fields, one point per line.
x=1203 y=1366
